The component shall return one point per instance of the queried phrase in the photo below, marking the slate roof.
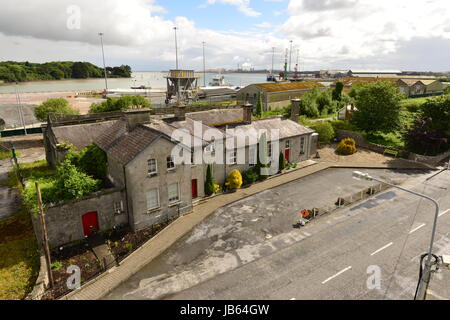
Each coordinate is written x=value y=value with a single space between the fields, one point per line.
x=287 y=128
x=130 y=144
x=111 y=134
x=217 y=117
x=81 y=135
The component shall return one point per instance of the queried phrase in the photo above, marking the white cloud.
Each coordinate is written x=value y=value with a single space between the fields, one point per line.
x=362 y=29
x=242 y=5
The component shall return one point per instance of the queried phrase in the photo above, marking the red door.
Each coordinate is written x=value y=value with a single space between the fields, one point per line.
x=287 y=155
x=90 y=223
x=194 y=189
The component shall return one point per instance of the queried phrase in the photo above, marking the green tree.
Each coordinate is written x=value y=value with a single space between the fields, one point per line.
x=262 y=163
x=120 y=104
x=53 y=105
x=378 y=107
x=80 y=70
x=70 y=183
x=337 y=92
x=93 y=161
x=447 y=90
x=281 y=162
x=259 y=103
x=209 y=183
x=325 y=131
x=438 y=109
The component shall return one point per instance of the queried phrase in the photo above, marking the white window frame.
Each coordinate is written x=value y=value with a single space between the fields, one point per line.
x=178 y=195
x=232 y=157
x=156 y=167
x=252 y=156
x=302 y=145
x=157 y=198
x=170 y=160
x=287 y=144
x=269 y=149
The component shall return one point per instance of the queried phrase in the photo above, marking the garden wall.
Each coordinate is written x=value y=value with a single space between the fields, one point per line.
x=360 y=142
x=65 y=223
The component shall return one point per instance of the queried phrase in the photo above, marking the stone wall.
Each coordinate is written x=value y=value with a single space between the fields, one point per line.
x=64 y=221
x=360 y=142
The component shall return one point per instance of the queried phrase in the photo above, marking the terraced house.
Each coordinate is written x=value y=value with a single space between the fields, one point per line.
x=139 y=148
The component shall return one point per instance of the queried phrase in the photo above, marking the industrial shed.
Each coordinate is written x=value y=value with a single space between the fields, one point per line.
x=276 y=95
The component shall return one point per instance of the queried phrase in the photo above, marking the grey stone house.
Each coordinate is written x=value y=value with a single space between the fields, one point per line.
x=153 y=187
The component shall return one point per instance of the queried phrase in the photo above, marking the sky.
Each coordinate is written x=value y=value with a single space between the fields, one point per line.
x=325 y=34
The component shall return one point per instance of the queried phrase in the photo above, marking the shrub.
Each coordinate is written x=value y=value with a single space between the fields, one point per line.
x=281 y=162
x=209 y=183
x=325 y=131
x=249 y=177
x=120 y=104
x=347 y=146
x=234 y=180
x=53 y=105
x=93 y=162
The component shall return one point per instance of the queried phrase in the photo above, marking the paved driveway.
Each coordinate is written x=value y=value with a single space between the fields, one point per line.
x=245 y=232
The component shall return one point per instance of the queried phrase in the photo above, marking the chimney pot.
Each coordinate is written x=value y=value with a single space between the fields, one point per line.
x=247 y=115
x=295 y=110
x=135 y=117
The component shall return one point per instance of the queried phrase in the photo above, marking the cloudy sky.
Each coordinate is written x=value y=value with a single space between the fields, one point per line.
x=381 y=34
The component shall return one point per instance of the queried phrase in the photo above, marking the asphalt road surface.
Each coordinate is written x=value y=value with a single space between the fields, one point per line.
x=249 y=250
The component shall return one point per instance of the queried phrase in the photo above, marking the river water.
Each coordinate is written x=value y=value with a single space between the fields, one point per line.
x=155 y=80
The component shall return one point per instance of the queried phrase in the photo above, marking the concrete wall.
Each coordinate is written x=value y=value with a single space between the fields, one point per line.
x=139 y=183
x=64 y=221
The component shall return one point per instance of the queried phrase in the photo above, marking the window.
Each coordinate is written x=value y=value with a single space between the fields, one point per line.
x=210 y=148
x=174 y=193
x=288 y=144
x=118 y=207
x=252 y=160
x=153 y=199
x=170 y=163
x=269 y=149
x=152 y=167
x=302 y=145
x=232 y=157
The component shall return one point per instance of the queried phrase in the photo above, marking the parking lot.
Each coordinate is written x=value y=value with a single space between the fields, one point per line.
x=243 y=232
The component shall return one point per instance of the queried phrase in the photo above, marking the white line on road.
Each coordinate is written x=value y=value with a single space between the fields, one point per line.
x=381 y=249
x=337 y=274
x=414 y=230
x=447 y=211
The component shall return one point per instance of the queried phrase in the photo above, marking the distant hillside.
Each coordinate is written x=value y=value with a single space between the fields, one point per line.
x=11 y=71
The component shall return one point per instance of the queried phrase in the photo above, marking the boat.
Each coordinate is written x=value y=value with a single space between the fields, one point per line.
x=218 y=81
x=141 y=87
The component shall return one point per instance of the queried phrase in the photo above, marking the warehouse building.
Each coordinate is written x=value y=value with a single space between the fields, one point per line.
x=276 y=95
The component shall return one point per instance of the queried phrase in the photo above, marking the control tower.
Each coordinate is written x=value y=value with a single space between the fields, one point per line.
x=181 y=85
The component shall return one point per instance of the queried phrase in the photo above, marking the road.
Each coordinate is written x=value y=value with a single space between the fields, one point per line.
x=328 y=259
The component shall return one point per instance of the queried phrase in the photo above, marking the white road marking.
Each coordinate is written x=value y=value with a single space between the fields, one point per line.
x=336 y=275
x=381 y=249
x=421 y=226
x=447 y=211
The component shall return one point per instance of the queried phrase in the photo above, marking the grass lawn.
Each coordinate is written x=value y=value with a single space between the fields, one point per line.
x=7 y=154
x=19 y=263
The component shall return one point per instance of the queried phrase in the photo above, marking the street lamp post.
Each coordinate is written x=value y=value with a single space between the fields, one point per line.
x=176 y=47
x=423 y=281
x=273 y=57
x=290 y=57
x=104 y=64
x=204 y=65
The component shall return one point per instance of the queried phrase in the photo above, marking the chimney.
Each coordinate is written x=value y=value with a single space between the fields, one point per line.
x=135 y=117
x=180 y=112
x=295 y=111
x=247 y=112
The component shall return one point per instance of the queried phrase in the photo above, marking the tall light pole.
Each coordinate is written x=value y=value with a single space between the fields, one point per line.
x=290 y=57
x=273 y=57
x=204 y=65
x=176 y=47
x=104 y=64
x=423 y=281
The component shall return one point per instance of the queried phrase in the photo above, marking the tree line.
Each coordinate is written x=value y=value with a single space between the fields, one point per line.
x=11 y=71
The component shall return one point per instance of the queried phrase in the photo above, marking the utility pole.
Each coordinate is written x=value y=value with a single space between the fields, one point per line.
x=45 y=236
x=290 y=57
x=204 y=65
x=273 y=57
x=20 y=109
x=104 y=64
x=176 y=61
